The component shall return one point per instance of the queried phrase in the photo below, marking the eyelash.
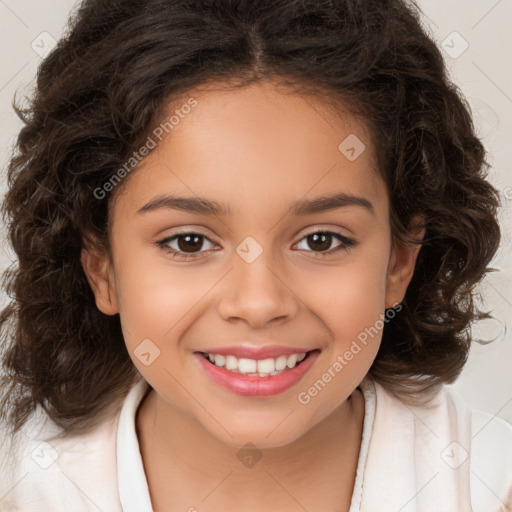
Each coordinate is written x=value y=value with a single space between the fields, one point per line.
x=346 y=245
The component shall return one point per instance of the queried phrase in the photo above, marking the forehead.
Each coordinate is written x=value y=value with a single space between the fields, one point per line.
x=254 y=146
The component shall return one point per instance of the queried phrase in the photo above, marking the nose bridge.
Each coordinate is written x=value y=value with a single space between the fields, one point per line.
x=255 y=290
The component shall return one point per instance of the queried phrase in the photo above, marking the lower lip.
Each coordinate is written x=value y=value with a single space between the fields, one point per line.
x=257 y=386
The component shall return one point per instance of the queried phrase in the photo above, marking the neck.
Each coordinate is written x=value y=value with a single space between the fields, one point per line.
x=186 y=465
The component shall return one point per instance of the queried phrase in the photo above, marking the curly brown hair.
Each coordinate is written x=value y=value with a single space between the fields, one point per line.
x=106 y=84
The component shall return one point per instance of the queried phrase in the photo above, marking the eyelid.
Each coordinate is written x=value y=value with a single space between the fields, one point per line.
x=346 y=243
x=163 y=243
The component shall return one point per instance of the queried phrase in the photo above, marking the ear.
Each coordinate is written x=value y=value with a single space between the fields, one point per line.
x=99 y=272
x=401 y=266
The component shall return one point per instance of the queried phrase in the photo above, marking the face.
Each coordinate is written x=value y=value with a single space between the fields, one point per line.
x=288 y=252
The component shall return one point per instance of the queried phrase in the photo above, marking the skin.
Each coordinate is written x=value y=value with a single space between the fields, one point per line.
x=258 y=149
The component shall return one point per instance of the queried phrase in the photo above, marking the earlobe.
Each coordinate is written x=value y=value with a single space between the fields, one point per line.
x=401 y=269
x=98 y=270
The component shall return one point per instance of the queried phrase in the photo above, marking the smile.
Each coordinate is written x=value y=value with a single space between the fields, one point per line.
x=253 y=367
x=251 y=377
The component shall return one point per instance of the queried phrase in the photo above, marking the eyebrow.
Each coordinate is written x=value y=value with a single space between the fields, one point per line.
x=205 y=206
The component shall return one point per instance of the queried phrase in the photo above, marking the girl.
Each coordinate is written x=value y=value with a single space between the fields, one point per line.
x=248 y=237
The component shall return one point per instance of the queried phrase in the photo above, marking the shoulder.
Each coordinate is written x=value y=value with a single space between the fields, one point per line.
x=489 y=455
x=43 y=470
x=491 y=462
x=462 y=455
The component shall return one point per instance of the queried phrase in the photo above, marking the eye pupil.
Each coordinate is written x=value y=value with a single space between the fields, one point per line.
x=194 y=241
x=324 y=238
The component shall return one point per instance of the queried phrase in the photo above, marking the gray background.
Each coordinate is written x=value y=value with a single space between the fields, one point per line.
x=477 y=43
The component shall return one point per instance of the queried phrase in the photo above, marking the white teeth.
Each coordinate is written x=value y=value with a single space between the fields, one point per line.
x=263 y=367
x=266 y=366
x=292 y=361
x=231 y=363
x=247 y=365
x=281 y=363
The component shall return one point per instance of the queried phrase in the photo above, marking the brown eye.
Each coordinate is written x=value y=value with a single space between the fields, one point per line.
x=321 y=242
x=184 y=245
x=190 y=243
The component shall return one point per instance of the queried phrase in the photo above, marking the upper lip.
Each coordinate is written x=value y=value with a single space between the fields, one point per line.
x=257 y=352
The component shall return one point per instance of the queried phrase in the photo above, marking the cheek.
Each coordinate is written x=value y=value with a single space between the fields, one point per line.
x=155 y=296
x=350 y=300
x=351 y=297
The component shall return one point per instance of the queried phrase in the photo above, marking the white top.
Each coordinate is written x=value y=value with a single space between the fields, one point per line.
x=443 y=457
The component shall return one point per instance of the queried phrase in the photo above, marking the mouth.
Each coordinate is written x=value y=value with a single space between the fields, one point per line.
x=257 y=377
x=268 y=367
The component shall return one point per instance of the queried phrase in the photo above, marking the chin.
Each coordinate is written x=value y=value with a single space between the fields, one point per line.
x=263 y=439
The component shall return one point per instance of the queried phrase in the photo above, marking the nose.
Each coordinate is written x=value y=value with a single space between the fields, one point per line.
x=258 y=294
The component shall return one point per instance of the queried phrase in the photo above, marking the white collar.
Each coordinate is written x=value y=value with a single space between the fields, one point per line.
x=132 y=482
